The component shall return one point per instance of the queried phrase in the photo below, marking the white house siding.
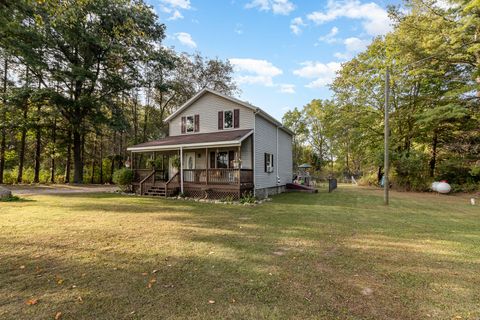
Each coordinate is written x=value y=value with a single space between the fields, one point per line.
x=265 y=142
x=285 y=157
x=207 y=106
x=246 y=153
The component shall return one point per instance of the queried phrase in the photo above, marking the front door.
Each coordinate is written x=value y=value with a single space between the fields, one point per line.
x=189 y=165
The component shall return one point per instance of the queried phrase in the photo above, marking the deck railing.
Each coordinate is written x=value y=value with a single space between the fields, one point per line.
x=225 y=176
x=218 y=176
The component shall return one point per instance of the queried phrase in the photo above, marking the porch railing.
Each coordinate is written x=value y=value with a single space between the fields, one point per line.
x=218 y=176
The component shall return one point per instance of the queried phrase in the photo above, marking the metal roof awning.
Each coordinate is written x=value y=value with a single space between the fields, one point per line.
x=194 y=140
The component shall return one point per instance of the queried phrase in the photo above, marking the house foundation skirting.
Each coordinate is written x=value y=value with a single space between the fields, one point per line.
x=266 y=192
x=214 y=192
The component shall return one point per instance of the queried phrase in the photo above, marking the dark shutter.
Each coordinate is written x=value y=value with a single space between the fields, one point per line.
x=271 y=163
x=220 y=120
x=197 y=122
x=236 y=118
x=265 y=161
x=183 y=124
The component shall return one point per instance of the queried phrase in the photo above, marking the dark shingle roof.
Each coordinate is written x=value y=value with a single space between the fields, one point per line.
x=186 y=139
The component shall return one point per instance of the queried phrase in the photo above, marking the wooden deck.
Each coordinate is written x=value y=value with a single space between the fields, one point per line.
x=197 y=183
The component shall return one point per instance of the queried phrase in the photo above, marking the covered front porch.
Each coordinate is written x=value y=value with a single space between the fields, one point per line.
x=211 y=169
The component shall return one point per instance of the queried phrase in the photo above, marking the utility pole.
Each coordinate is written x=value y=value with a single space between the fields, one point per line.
x=386 y=164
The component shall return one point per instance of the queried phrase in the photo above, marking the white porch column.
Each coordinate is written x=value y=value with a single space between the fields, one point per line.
x=181 y=169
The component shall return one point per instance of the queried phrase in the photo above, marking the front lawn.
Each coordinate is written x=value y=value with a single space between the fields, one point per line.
x=303 y=256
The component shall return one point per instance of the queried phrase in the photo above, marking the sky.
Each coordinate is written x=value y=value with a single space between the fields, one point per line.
x=284 y=52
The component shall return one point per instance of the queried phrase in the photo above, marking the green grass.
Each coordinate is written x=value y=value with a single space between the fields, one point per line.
x=303 y=256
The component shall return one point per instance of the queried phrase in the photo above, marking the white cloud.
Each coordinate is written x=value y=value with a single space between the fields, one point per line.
x=330 y=37
x=283 y=7
x=287 y=88
x=176 y=15
x=323 y=73
x=182 y=4
x=296 y=25
x=374 y=19
x=355 y=44
x=186 y=39
x=255 y=71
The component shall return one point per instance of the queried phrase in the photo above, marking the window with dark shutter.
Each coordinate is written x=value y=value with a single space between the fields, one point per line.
x=265 y=158
x=183 y=124
x=220 y=120
x=236 y=118
x=197 y=122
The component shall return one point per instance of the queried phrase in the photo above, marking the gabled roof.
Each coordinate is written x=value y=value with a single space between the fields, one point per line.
x=231 y=137
x=255 y=109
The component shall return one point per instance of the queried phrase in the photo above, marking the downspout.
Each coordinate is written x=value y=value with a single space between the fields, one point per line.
x=181 y=170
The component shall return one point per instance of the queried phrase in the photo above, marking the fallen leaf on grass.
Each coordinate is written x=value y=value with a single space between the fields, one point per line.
x=144 y=273
x=60 y=281
x=151 y=282
x=80 y=299
x=155 y=271
x=211 y=301
x=58 y=315
x=31 y=302
x=22 y=267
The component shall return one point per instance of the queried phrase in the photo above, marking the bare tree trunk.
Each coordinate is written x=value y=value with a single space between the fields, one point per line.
x=92 y=178
x=433 y=159
x=77 y=156
x=38 y=141
x=101 y=159
x=68 y=162
x=52 y=157
x=3 y=130
x=21 y=153
x=112 y=163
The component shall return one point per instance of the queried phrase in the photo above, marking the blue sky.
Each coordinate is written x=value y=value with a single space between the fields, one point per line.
x=285 y=52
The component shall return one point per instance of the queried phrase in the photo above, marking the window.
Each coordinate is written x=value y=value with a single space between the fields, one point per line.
x=190 y=124
x=222 y=160
x=268 y=162
x=228 y=119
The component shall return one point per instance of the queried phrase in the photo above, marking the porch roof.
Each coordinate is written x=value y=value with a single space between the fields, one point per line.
x=224 y=138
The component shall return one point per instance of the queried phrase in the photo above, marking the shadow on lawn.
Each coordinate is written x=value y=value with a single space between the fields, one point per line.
x=268 y=261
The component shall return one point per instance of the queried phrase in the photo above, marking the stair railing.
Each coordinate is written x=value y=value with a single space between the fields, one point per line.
x=175 y=176
x=150 y=175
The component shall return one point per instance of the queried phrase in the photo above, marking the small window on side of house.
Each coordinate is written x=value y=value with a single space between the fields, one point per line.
x=268 y=162
x=190 y=124
x=228 y=119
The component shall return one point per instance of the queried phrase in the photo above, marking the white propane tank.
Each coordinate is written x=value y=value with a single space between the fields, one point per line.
x=434 y=185
x=443 y=187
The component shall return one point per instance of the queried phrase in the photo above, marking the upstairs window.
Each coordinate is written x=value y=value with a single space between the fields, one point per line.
x=228 y=119
x=190 y=124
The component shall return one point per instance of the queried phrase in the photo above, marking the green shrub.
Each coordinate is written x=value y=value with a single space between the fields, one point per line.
x=370 y=179
x=411 y=171
x=123 y=178
x=248 y=197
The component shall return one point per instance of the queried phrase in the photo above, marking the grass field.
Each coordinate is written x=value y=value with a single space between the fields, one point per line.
x=302 y=256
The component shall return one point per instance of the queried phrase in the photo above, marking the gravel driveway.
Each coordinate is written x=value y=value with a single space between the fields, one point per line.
x=59 y=189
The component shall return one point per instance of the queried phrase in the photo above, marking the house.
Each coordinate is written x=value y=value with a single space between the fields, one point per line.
x=217 y=147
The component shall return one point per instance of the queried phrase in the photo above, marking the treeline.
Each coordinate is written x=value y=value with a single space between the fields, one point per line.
x=433 y=55
x=82 y=80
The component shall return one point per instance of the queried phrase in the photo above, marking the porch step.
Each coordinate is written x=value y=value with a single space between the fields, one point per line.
x=156 y=190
